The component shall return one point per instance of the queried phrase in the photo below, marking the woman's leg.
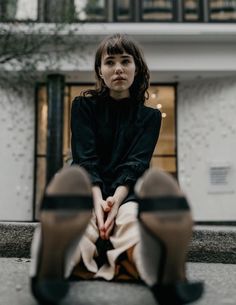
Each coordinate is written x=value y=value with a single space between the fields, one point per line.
x=65 y=212
x=84 y=265
x=166 y=228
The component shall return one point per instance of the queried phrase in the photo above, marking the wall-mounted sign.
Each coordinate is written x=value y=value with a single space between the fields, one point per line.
x=221 y=178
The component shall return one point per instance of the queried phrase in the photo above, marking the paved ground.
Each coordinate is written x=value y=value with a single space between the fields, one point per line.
x=220 y=283
x=210 y=244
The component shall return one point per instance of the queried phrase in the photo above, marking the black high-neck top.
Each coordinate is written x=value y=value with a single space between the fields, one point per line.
x=113 y=140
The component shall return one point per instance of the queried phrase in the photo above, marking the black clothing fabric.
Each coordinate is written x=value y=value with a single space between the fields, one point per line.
x=113 y=140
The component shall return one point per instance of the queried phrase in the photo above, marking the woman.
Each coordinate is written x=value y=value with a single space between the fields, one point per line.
x=113 y=138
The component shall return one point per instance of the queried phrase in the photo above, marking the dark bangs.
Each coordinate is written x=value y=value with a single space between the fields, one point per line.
x=117 y=46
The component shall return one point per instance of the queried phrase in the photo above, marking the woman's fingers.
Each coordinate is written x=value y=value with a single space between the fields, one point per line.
x=105 y=206
x=109 y=229
x=111 y=216
x=108 y=204
x=110 y=201
x=101 y=227
x=105 y=224
x=102 y=234
x=100 y=218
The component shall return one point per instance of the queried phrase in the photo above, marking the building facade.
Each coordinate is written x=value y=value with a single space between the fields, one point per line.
x=190 y=49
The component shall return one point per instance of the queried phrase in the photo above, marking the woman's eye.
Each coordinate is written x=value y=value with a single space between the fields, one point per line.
x=109 y=62
x=126 y=62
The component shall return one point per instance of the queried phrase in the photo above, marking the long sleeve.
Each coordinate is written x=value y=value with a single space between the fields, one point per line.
x=140 y=151
x=83 y=142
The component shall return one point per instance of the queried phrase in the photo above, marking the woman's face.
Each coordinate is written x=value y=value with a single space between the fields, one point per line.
x=118 y=72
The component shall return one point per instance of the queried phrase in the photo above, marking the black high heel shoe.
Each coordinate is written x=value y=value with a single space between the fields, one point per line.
x=166 y=229
x=65 y=212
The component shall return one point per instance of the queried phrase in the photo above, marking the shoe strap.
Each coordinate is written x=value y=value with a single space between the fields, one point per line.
x=67 y=203
x=165 y=203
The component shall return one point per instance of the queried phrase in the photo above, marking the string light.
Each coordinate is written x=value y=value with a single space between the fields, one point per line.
x=163 y=114
x=153 y=95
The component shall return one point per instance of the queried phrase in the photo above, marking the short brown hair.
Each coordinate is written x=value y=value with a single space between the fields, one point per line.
x=118 y=44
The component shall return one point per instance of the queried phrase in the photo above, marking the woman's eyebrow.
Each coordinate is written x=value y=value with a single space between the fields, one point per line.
x=109 y=57
x=112 y=56
x=126 y=56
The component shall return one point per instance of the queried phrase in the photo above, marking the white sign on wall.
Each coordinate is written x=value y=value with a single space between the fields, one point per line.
x=221 y=178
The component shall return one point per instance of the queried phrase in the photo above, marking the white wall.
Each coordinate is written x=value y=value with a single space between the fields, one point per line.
x=207 y=137
x=16 y=155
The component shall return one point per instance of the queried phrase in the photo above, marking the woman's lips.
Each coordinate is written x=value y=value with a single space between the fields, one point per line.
x=119 y=79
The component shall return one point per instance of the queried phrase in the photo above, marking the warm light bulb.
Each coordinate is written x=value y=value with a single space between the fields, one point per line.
x=153 y=95
x=159 y=106
x=163 y=115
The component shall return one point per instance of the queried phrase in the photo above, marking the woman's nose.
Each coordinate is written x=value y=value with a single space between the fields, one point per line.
x=118 y=68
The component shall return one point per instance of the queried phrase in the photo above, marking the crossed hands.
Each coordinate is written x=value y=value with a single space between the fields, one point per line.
x=106 y=211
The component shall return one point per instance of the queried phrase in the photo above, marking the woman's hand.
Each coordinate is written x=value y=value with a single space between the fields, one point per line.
x=100 y=206
x=103 y=213
x=114 y=202
x=106 y=210
x=113 y=206
x=108 y=204
x=100 y=216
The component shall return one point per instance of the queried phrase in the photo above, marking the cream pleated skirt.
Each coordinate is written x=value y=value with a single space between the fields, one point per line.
x=125 y=236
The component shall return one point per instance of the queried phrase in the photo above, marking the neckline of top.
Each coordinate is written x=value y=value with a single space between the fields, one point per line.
x=120 y=102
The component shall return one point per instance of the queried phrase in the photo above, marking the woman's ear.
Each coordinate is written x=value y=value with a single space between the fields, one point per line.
x=100 y=73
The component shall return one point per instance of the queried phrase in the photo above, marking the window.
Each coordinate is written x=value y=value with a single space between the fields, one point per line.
x=163 y=98
x=192 y=10
x=118 y=10
x=123 y=10
x=158 y=10
x=57 y=11
x=164 y=157
x=41 y=136
x=41 y=144
x=222 y=10
x=20 y=10
x=90 y=10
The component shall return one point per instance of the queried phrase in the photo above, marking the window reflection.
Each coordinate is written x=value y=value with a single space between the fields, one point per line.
x=163 y=98
x=192 y=10
x=123 y=10
x=19 y=10
x=158 y=10
x=221 y=10
x=90 y=10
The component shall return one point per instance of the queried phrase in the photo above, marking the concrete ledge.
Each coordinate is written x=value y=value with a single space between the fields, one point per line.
x=211 y=244
x=15 y=239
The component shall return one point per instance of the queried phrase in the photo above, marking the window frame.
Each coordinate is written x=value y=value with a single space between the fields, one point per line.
x=10 y=20
x=131 y=9
x=174 y=85
x=105 y=19
x=201 y=13
x=216 y=21
x=174 y=11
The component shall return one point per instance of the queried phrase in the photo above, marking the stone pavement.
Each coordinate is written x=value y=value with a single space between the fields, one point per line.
x=220 y=283
x=210 y=244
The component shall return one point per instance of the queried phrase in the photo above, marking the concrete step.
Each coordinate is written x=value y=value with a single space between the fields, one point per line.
x=210 y=244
